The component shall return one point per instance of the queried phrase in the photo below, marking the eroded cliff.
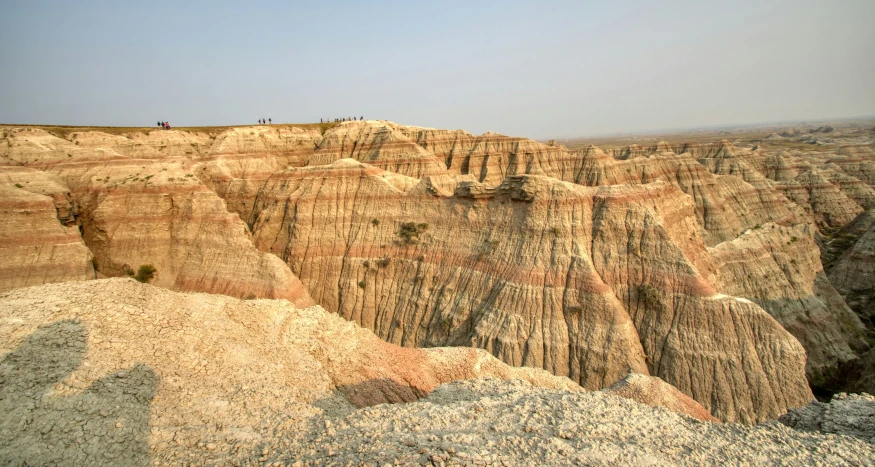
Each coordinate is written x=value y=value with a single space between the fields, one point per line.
x=689 y=262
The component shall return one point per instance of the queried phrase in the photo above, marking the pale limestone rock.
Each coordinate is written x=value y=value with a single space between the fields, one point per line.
x=655 y=392
x=113 y=371
x=38 y=243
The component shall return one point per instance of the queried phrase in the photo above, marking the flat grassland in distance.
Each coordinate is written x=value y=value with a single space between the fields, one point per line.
x=63 y=131
x=735 y=135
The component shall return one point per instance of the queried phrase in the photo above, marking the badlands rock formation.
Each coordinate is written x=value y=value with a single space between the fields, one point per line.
x=719 y=268
x=655 y=392
x=585 y=282
x=113 y=372
x=38 y=241
x=854 y=269
x=116 y=372
x=852 y=415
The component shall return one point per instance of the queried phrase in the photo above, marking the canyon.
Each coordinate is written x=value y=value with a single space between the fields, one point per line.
x=737 y=271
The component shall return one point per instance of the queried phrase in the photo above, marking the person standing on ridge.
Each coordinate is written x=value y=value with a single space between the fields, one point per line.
x=269 y=121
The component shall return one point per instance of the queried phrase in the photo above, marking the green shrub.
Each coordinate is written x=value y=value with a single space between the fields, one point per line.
x=19 y=185
x=145 y=273
x=410 y=232
x=375 y=222
x=362 y=284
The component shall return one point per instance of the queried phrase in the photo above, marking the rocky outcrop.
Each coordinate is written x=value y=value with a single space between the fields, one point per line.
x=779 y=268
x=853 y=271
x=539 y=272
x=817 y=195
x=846 y=414
x=114 y=371
x=36 y=147
x=852 y=187
x=38 y=241
x=134 y=213
x=655 y=392
x=587 y=263
x=144 y=145
x=378 y=144
x=858 y=162
x=241 y=159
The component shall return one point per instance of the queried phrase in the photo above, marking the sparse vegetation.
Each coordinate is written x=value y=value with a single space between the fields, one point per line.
x=366 y=264
x=145 y=273
x=651 y=296
x=249 y=297
x=555 y=231
x=19 y=185
x=375 y=222
x=383 y=262
x=410 y=232
x=487 y=248
x=362 y=284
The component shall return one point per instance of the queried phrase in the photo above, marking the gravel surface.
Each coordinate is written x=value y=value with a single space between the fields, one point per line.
x=118 y=373
x=845 y=414
x=490 y=422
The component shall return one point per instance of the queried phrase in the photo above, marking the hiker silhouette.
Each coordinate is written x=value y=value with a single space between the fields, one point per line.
x=44 y=424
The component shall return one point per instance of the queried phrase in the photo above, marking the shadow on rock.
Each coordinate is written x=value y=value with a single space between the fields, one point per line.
x=108 y=423
x=380 y=391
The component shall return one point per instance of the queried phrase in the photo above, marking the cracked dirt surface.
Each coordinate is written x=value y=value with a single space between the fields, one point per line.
x=113 y=372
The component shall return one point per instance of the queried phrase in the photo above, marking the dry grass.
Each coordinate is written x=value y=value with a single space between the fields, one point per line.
x=64 y=131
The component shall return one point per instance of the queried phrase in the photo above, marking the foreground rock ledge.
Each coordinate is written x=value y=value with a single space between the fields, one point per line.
x=113 y=372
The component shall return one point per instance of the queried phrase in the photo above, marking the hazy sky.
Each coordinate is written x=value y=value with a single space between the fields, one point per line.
x=537 y=69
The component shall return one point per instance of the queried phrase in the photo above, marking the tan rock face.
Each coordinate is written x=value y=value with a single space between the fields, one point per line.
x=378 y=144
x=581 y=281
x=585 y=263
x=136 y=212
x=36 y=244
x=818 y=195
x=657 y=393
x=153 y=144
x=148 y=368
x=779 y=268
x=852 y=273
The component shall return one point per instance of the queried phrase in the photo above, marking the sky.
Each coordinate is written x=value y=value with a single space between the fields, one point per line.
x=537 y=69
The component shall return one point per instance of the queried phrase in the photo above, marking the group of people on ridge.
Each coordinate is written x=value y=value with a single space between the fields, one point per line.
x=338 y=120
x=269 y=121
